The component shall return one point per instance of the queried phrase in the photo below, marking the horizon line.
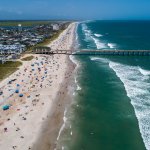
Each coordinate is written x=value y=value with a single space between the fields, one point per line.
x=133 y=19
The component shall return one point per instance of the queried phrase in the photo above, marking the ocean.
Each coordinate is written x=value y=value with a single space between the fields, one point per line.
x=111 y=104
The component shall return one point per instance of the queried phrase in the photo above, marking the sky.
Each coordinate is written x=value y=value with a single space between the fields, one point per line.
x=74 y=9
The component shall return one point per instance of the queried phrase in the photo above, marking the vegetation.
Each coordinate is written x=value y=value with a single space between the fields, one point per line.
x=47 y=40
x=27 y=58
x=23 y=23
x=8 y=68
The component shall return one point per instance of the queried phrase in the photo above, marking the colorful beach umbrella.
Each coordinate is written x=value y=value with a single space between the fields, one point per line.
x=17 y=91
x=6 y=107
x=20 y=95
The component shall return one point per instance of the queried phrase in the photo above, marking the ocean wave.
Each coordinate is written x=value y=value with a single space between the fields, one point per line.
x=75 y=80
x=85 y=29
x=75 y=61
x=63 y=126
x=76 y=43
x=144 y=72
x=111 y=45
x=89 y=37
x=98 y=35
x=98 y=43
x=72 y=58
x=138 y=91
x=93 y=38
x=87 y=33
x=104 y=60
x=78 y=88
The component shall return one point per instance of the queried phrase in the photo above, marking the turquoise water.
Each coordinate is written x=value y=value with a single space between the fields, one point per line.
x=111 y=106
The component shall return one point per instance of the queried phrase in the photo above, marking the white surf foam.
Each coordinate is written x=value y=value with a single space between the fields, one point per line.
x=87 y=32
x=72 y=58
x=78 y=88
x=111 y=45
x=138 y=91
x=98 y=35
x=63 y=126
x=75 y=80
x=90 y=37
x=144 y=72
x=98 y=43
x=104 y=60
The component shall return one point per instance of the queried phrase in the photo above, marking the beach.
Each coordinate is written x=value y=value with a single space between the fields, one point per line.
x=37 y=95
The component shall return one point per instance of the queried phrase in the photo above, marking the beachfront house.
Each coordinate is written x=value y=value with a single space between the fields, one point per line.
x=12 y=49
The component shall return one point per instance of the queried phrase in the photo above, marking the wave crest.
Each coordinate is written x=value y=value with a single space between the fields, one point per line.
x=138 y=91
x=144 y=72
x=98 y=35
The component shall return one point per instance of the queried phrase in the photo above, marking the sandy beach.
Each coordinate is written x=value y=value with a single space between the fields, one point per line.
x=37 y=95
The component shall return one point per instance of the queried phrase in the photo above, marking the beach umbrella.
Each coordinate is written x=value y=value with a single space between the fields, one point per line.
x=18 y=84
x=10 y=82
x=6 y=107
x=20 y=95
x=17 y=91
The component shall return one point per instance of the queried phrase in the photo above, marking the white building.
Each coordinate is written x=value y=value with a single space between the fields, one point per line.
x=55 y=27
x=19 y=27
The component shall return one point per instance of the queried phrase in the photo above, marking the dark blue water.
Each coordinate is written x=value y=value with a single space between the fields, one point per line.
x=115 y=35
x=111 y=109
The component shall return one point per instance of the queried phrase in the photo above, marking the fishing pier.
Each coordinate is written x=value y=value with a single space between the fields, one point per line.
x=48 y=51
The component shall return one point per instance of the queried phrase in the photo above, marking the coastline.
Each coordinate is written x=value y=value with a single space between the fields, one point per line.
x=46 y=110
x=53 y=127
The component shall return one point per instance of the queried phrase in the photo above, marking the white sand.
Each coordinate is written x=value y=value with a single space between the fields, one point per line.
x=25 y=117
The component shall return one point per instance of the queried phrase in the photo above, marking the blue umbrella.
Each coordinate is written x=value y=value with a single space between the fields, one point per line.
x=17 y=91
x=18 y=85
x=20 y=95
x=6 y=107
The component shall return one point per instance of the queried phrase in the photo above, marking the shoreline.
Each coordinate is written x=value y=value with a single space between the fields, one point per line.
x=40 y=110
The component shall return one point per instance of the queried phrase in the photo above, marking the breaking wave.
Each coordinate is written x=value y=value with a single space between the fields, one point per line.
x=144 y=72
x=111 y=45
x=98 y=35
x=94 y=38
x=135 y=80
x=89 y=37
